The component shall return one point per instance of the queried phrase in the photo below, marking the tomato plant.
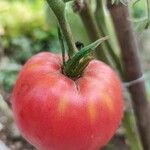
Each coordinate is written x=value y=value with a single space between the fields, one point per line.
x=55 y=112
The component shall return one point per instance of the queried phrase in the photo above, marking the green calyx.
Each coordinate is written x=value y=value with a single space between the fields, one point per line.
x=75 y=66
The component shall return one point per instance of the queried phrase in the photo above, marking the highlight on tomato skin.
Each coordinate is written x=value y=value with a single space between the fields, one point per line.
x=54 y=112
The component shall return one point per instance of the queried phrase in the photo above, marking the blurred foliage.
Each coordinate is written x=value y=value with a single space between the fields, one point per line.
x=25 y=31
x=138 y=10
x=139 y=14
x=8 y=74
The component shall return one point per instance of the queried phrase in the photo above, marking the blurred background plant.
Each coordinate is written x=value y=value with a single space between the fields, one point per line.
x=29 y=26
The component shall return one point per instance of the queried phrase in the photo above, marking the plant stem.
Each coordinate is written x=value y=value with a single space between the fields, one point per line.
x=58 y=7
x=99 y=14
x=129 y=48
x=93 y=31
x=62 y=46
x=129 y=125
x=100 y=18
x=148 y=13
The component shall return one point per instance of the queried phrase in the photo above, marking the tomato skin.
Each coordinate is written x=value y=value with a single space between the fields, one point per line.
x=54 y=112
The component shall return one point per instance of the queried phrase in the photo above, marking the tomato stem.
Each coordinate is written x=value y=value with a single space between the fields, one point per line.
x=62 y=45
x=58 y=7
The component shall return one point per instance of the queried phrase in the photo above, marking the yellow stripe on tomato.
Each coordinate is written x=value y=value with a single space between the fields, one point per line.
x=107 y=101
x=62 y=104
x=91 y=108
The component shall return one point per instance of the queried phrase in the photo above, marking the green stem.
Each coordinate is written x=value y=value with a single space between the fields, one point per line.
x=99 y=13
x=129 y=124
x=148 y=13
x=90 y=24
x=100 y=18
x=58 y=7
x=62 y=45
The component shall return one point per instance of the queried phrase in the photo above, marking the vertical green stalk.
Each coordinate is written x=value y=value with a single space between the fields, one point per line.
x=100 y=15
x=100 y=18
x=90 y=24
x=131 y=133
x=62 y=45
x=58 y=7
x=148 y=13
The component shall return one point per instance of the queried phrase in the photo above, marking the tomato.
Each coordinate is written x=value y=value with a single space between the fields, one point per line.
x=54 y=112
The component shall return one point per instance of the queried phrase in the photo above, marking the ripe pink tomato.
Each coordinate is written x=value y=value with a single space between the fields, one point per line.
x=53 y=112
